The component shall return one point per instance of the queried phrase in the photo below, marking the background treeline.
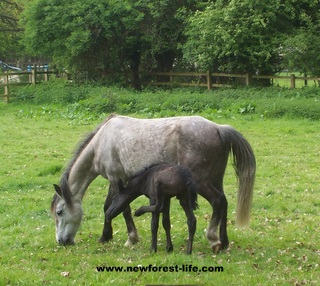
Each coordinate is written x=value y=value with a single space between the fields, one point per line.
x=117 y=40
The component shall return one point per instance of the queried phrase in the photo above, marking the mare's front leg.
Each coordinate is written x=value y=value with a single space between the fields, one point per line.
x=112 y=210
x=107 y=232
x=166 y=223
x=191 y=220
x=133 y=236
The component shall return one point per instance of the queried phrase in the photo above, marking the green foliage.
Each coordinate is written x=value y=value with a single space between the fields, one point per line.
x=88 y=102
x=99 y=39
x=10 y=33
x=235 y=36
x=300 y=51
x=87 y=39
x=249 y=36
x=115 y=40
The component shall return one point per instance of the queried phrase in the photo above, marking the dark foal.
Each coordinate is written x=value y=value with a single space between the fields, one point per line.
x=159 y=183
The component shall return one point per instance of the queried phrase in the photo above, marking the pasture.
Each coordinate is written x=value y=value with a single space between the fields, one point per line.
x=281 y=246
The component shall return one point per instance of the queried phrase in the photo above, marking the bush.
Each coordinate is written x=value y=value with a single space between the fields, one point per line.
x=95 y=101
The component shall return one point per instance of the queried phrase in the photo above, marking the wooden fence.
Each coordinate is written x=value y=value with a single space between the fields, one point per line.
x=208 y=79
x=33 y=76
x=211 y=80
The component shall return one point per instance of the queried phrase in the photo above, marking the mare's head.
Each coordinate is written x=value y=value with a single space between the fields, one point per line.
x=67 y=214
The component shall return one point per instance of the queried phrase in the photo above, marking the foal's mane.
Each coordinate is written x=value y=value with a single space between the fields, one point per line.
x=65 y=176
x=147 y=171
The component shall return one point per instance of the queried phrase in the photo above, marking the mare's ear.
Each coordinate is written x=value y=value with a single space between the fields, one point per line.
x=58 y=190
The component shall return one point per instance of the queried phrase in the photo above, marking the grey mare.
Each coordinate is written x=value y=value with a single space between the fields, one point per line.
x=122 y=146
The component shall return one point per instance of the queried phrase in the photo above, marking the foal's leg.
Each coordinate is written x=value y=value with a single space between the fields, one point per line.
x=154 y=230
x=156 y=207
x=166 y=223
x=191 y=220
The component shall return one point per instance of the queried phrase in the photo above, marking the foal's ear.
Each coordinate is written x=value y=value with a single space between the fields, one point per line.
x=58 y=190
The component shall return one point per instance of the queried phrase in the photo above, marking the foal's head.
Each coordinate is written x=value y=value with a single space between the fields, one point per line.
x=67 y=215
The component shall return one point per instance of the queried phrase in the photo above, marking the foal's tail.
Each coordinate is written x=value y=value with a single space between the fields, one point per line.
x=245 y=166
x=193 y=193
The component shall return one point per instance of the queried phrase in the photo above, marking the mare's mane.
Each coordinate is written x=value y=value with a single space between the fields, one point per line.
x=65 y=176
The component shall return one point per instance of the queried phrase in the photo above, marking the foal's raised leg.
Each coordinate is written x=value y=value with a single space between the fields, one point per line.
x=166 y=223
x=191 y=220
x=156 y=207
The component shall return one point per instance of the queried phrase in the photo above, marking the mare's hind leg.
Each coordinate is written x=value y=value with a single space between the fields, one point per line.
x=166 y=223
x=219 y=204
x=191 y=220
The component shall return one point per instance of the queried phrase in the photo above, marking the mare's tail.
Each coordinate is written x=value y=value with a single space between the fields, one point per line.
x=193 y=194
x=245 y=166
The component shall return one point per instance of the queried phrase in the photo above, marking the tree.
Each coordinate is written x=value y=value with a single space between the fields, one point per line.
x=300 y=47
x=163 y=28
x=105 y=37
x=236 y=36
x=9 y=29
x=94 y=37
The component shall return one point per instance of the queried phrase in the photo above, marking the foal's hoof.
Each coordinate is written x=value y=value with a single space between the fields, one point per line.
x=104 y=240
x=169 y=248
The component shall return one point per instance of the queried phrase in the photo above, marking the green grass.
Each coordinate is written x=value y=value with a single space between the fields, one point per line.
x=281 y=247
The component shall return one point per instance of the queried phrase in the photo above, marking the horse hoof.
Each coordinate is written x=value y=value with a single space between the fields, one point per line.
x=104 y=240
x=169 y=249
x=132 y=240
x=216 y=247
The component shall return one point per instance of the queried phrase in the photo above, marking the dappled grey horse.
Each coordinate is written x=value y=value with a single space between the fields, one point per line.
x=122 y=146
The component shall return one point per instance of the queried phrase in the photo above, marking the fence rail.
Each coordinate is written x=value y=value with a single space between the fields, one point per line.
x=211 y=80
x=206 y=79
x=8 y=79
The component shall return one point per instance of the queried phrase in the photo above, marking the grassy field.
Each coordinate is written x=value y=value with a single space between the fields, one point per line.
x=281 y=247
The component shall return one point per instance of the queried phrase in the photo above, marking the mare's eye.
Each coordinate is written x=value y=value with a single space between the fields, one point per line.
x=59 y=213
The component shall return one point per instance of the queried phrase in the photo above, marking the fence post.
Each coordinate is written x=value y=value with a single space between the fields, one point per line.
x=34 y=74
x=6 y=88
x=293 y=81
x=209 y=81
x=248 y=79
x=46 y=74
